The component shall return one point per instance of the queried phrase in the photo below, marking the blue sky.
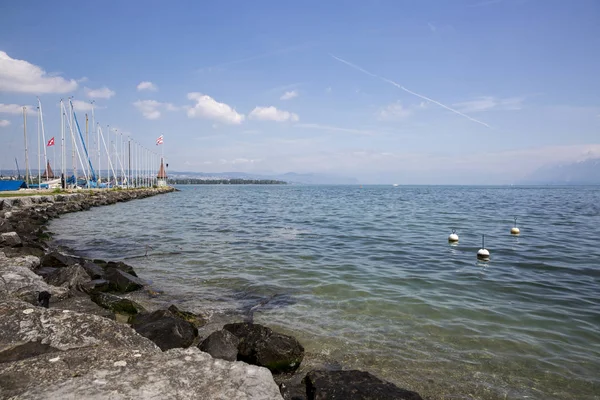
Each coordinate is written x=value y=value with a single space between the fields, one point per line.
x=254 y=87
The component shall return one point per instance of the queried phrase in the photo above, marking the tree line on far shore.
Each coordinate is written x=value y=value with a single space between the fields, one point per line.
x=225 y=182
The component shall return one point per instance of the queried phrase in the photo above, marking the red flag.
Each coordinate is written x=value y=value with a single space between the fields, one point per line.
x=50 y=142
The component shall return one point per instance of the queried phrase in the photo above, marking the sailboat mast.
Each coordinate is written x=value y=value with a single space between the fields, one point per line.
x=26 y=151
x=39 y=150
x=43 y=133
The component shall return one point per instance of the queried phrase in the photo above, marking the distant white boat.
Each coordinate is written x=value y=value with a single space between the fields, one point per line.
x=395 y=184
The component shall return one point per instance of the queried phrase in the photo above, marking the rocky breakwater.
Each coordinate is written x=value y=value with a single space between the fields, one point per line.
x=68 y=330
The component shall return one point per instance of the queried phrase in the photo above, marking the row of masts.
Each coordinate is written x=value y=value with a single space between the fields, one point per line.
x=126 y=162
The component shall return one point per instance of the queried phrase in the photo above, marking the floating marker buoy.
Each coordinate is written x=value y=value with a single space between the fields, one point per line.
x=453 y=236
x=483 y=253
x=514 y=230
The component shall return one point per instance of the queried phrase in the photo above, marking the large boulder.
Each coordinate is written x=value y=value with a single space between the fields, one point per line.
x=24 y=284
x=259 y=345
x=116 y=304
x=121 y=281
x=57 y=260
x=96 y=286
x=120 y=265
x=94 y=270
x=115 y=373
x=73 y=277
x=27 y=261
x=353 y=385
x=10 y=239
x=165 y=329
x=221 y=344
x=62 y=329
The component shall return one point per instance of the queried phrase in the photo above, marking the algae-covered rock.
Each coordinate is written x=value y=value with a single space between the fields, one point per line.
x=196 y=320
x=116 y=304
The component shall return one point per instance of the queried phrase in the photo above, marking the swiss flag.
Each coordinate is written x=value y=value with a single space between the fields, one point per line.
x=50 y=142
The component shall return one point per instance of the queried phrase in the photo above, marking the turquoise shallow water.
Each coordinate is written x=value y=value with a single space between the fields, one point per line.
x=366 y=276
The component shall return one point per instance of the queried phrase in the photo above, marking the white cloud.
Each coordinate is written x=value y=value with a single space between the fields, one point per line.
x=487 y=103
x=151 y=109
x=289 y=95
x=23 y=77
x=335 y=129
x=209 y=108
x=145 y=85
x=272 y=114
x=4 y=123
x=13 y=108
x=79 y=105
x=102 y=93
x=395 y=111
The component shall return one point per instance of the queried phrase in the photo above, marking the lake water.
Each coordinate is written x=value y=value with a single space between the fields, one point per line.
x=366 y=276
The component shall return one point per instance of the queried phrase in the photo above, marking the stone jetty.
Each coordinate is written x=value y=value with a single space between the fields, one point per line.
x=67 y=329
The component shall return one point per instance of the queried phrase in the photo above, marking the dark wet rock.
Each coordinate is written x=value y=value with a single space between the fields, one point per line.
x=116 y=304
x=353 y=385
x=44 y=299
x=57 y=260
x=195 y=319
x=165 y=329
x=120 y=266
x=121 y=281
x=25 y=350
x=96 y=286
x=73 y=277
x=10 y=239
x=259 y=345
x=116 y=373
x=94 y=270
x=221 y=344
x=289 y=392
x=44 y=272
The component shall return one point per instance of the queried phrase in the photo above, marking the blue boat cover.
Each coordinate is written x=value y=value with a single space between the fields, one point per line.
x=11 y=185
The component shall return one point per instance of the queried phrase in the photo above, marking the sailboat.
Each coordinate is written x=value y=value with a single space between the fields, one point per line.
x=51 y=181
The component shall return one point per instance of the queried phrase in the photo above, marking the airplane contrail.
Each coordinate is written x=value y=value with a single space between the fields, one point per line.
x=408 y=91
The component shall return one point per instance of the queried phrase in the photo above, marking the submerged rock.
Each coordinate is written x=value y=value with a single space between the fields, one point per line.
x=259 y=345
x=165 y=329
x=221 y=344
x=353 y=385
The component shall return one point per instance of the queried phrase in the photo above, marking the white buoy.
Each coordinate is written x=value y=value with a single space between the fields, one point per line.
x=483 y=253
x=453 y=236
x=514 y=230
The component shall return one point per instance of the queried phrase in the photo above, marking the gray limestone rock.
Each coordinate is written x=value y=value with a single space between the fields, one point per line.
x=73 y=277
x=118 y=373
x=10 y=239
x=24 y=284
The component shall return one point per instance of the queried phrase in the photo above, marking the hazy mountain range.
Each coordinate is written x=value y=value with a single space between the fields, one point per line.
x=585 y=172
